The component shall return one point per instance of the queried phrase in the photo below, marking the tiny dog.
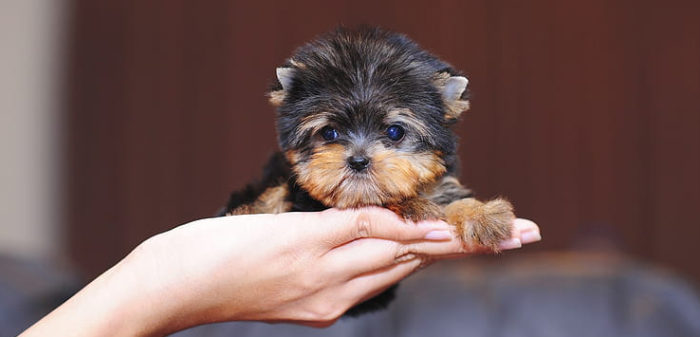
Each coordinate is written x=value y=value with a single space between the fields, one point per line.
x=363 y=118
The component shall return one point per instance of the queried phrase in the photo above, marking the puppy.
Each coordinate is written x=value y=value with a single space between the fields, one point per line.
x=363 y=118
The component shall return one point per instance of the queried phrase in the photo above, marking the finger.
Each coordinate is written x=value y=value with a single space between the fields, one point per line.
x=376 y=222
x=524 y=232
x=368 y=255
x=369 y=285
x=326 y=307
x=527 y=231
x=364 y=256
x=359 y=257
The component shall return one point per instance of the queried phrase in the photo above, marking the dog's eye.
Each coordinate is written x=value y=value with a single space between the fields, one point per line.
x=395 y=132
x=329 y=133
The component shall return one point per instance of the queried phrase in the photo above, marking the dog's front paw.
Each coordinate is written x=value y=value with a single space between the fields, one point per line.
x=417 y=209
x=486 y=224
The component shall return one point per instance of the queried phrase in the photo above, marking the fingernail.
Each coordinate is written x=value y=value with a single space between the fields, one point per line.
x=510 y=244
x=530 y=237
x=439 y=235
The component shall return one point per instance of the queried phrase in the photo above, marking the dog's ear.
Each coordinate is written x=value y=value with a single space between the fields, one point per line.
x=285 y=76
x=453 y=89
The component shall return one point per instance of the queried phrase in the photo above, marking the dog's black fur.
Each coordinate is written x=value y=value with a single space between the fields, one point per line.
x=363 y=118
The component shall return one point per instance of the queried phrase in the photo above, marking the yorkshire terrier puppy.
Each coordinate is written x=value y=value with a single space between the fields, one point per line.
x=363 y=118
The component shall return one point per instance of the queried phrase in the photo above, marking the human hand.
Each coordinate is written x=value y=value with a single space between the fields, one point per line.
x=306 y=268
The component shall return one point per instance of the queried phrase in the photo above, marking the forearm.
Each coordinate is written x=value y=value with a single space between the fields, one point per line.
x=156 y=290
x=111 y=305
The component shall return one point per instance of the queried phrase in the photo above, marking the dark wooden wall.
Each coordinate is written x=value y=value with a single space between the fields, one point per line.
x=586 y=114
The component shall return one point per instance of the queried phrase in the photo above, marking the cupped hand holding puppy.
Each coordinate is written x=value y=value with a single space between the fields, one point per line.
x=305 y=268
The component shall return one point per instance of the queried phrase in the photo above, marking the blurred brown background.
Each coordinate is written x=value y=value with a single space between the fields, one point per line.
x=586 y=114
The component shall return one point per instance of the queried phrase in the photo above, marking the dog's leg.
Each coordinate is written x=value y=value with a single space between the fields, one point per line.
x=477 y=222
x=417 y=209
x=447 y=190
x=429 y=204
x=272 y=201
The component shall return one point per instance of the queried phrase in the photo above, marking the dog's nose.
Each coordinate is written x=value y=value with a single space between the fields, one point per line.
x=358 y=163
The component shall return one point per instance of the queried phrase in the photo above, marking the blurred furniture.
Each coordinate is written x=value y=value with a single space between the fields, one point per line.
x=31 y=289
x=542 y=295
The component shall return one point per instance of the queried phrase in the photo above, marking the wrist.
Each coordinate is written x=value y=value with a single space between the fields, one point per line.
x=122 y=302
x=129 y=299
x=150 y=302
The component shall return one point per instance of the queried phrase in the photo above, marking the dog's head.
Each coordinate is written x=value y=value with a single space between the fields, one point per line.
x=363 y=117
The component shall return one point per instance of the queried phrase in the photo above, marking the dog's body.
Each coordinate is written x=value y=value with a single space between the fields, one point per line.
x=363 y=119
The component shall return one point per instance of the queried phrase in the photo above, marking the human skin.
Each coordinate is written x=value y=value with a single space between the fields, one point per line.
x=303 y=268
